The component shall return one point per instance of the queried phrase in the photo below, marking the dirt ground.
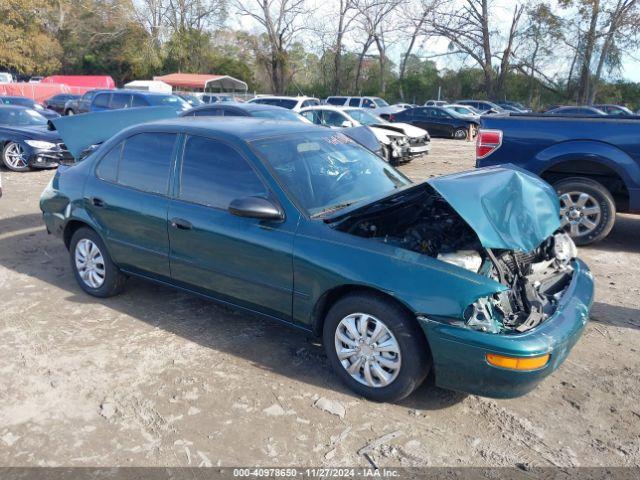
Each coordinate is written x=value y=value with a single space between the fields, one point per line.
x=155 y=377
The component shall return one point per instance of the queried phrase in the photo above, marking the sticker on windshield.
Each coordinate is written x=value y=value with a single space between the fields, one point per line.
x=338 y=139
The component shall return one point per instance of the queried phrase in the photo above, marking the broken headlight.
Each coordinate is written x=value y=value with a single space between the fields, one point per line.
x=467 y=259
x=564 y=249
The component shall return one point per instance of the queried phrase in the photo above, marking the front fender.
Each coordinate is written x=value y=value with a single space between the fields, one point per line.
x=325 y=259
x=597 y=152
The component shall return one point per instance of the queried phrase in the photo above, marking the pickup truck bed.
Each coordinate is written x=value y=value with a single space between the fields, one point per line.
x=593 y=162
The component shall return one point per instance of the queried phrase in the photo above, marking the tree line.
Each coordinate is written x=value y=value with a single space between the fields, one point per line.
x=535 y=51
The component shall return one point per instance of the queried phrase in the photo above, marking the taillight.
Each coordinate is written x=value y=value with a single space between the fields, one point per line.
x=487 y=142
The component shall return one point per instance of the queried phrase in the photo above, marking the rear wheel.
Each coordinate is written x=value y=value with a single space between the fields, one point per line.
x=460 y=133
x=92 y=266
x=14 y=157
x=587 y=209
x=375 y=347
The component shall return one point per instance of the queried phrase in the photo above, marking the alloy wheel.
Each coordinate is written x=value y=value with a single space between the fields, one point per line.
x=580 y=213
x=15 y=157
x=367 y=350
x=89 y=263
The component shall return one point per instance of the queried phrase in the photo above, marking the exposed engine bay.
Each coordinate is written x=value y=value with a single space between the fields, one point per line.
x=427 y=224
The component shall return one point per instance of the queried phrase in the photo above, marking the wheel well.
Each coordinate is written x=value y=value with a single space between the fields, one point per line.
x=328 y=299
x=603 y=174
x=72 y=227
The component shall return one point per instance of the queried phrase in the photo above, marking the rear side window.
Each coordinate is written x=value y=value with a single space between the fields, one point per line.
x=332 y=119
x=108 y=166
x=310 y=103
x=214 y=174
x=146 y=162
x=102 y=100
x=336 y=101
x=139 y=101
x=354 y=102
x=120 y=100
x=313 y=116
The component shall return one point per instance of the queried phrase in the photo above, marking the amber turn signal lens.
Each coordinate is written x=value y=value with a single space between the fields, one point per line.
x=518 y=363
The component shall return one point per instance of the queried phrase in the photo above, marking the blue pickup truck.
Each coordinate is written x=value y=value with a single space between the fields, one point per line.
x=592 y=162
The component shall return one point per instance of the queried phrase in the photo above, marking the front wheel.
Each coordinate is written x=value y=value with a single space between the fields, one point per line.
x=587 y=209
x=375 y=347
x=92 y=266
x=14 y=157
x=460 y=133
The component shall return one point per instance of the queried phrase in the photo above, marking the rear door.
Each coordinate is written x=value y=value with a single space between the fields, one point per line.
x=128 y=197
x=245 y=261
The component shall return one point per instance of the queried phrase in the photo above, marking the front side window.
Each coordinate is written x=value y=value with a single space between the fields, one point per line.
x=102 y=100
x=326 y=170
x=354 y=102
x=139 y=101
x=368 y=103
x=214 y=174
x=314 y=116
x=380 y=102
x=146 y=162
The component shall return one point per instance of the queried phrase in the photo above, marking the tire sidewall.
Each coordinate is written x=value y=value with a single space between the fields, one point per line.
x=414 y=350
x=112 y=274
x=6 y=164
x=605 y=202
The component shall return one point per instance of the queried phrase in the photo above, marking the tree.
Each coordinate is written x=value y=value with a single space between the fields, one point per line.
x=281 y=21
x=26 y=43
x=471 y=33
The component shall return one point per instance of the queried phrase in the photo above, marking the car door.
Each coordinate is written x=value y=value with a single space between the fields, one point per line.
x=244 y=261
x=128 y=198
x=425 y=118
x=101 y=102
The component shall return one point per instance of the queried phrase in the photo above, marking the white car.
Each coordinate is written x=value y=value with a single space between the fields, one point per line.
x=6 y=77
x=292 y=103
x=400 y=141
x=375 y=105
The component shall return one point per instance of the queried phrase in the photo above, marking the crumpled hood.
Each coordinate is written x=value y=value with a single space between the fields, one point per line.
x=508 y=208
x=406 y=128
x=36 y=132
x=80 y=132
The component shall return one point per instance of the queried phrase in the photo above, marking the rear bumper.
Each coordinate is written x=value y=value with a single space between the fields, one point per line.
x=459 y=354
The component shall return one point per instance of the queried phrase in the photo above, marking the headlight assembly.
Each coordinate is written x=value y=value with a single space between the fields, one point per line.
x=40 y=144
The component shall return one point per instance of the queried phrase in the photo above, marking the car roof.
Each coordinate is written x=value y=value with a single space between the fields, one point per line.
x=131 y=91
x=285 y=97
x=241 y=128
x=248 y=107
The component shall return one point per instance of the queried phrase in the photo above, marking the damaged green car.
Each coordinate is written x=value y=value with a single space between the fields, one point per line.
x=468 y=275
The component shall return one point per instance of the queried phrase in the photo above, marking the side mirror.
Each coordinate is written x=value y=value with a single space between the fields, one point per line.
x=255 y=207
x=347 y=124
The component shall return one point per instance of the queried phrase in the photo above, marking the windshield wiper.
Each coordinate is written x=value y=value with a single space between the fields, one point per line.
x=333 y=208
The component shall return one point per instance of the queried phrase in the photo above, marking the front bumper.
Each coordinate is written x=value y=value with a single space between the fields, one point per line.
x=48 y=158
x=459 y=354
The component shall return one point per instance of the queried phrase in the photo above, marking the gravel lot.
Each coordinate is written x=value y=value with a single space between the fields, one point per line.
x=155 y=377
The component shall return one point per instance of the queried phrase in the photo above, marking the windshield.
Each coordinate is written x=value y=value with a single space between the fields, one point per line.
x=278 y=114
x=21 y=116
x=327 y=171
x=364 y=117
x=167 y=100
x=457 y=111
x=380 y=102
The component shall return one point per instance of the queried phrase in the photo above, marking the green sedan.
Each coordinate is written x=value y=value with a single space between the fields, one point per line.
x=468 y=276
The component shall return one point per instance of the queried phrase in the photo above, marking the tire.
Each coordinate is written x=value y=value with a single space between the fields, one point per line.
x=11 y=161
x=578 y=222
x=386 y=154
x=112 y=280
x=460 y=134
x=413 y=351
